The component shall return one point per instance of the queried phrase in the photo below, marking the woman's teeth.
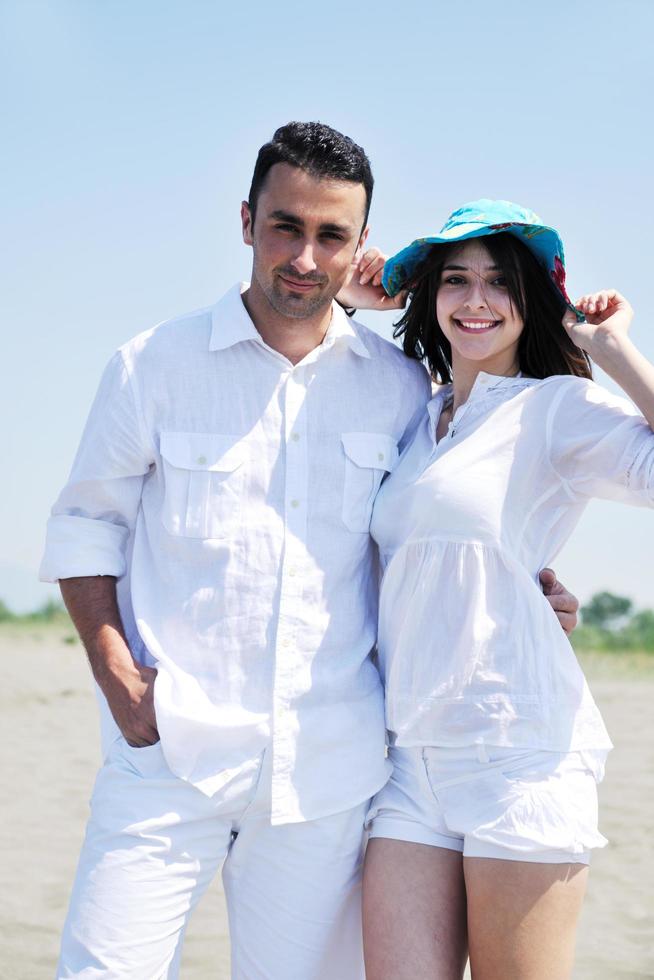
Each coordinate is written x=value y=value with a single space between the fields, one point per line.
x=477 y=324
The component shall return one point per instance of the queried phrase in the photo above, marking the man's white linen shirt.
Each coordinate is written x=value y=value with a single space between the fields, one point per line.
x=230 y=492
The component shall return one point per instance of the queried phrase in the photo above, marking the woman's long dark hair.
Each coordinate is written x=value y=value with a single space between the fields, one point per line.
x=544 y=348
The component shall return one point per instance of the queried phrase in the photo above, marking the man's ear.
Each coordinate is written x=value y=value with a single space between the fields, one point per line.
x=362 y=243
x=246 y=223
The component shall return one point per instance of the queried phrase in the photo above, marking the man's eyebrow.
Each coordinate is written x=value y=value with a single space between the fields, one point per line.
x=293 y=219
x=332 y=226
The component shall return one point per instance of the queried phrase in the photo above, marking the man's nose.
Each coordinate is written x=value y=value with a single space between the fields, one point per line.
x=304 y=261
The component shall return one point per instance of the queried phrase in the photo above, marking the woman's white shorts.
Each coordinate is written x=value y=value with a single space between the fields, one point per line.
x=514 y=804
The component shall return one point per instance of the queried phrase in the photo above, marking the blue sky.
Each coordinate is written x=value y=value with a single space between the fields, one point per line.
x=131 y=128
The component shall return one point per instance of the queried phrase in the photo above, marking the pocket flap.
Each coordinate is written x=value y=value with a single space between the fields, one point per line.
x=372 y=450
x=203 y=451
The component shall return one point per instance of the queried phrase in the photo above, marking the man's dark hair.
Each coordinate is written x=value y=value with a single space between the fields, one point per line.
x=545 y=347
x=320 y=151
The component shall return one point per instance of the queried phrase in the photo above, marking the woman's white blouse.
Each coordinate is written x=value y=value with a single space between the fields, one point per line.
x=469 y=648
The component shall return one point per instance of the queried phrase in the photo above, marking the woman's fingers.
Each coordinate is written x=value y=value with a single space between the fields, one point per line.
x=586 y=303
x=371 y=266
x=598 y=302
x=606 y=309
x=373 y=271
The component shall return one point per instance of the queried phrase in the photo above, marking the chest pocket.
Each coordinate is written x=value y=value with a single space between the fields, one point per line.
x=368 y=457
x=204 y=476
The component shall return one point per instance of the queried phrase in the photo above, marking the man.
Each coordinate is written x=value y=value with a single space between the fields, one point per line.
x=212 y=548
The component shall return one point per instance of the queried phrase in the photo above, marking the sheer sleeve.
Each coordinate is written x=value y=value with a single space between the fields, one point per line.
x=599 y=445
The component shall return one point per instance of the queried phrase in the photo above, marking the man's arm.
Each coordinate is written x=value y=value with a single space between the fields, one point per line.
x=127 y=685
x=564 y=603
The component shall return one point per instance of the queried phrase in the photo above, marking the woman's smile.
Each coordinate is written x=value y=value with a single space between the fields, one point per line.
x=476 y=326
x=475 y=311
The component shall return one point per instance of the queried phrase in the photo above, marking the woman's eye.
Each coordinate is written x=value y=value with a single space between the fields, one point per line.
x=453 y=280
x=500 y=281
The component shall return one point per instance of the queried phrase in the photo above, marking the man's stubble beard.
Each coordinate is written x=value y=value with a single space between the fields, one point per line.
x=300 y=308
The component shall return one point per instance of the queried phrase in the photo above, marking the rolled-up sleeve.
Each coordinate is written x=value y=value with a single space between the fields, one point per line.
x=92 y=520
x=600 y=446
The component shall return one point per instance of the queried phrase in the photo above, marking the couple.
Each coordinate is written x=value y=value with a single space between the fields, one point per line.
x=218 y=547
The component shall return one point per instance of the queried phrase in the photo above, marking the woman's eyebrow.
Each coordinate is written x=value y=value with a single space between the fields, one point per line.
x=465 y=268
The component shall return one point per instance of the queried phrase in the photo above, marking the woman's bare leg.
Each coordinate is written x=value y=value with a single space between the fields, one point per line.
x=522 y=918
x=414 y=912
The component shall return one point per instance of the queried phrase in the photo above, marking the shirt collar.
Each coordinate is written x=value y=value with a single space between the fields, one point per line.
x=435 y=406
x=231 y=324
x=484 y=383
x=230 y=321
x=342 y=329
x=493 y=382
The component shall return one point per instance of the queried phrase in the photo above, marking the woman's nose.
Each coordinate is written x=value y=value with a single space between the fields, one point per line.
x=476 y=297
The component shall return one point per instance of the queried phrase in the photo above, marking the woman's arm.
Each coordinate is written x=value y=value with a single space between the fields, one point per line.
x=362 y=290
x=604 y=336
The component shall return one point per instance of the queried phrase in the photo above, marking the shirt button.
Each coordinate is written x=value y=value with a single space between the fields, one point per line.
x=295 y=503
x=295 y=437
x=292 y=571
x=380 y=457
x=286 y=642
x=201 y=460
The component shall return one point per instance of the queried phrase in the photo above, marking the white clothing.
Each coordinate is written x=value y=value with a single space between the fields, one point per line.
x=231 y=493
x=153 y=845
x=507 y=804
x=469 y=648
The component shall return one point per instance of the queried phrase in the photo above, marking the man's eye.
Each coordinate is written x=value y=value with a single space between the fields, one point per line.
x=333 y=236
x=284 y=226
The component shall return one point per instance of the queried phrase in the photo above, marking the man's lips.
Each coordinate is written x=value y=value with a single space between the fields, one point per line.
x=299 y=287
x=476 y=326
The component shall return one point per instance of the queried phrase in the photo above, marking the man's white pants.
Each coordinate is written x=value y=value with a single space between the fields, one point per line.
x=154 y=843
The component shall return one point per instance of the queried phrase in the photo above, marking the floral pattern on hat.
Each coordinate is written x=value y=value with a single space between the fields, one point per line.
x=474 y=220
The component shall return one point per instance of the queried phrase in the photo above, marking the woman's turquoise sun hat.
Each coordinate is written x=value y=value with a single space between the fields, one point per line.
x=473 y=220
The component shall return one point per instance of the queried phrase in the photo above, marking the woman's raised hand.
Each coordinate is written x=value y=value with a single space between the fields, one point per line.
x=363 y=289
x=608 y=317
x=604 y=337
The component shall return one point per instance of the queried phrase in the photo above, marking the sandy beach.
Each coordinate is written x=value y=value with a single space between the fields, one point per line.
x=49 y=753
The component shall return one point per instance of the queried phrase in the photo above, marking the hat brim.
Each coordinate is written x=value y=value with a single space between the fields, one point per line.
x=542 y=241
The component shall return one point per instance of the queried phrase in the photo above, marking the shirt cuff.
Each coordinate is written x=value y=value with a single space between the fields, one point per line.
x=640 y=474
x=82 y=546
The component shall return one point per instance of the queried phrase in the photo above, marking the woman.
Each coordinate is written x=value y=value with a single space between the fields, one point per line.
x=481 y=839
